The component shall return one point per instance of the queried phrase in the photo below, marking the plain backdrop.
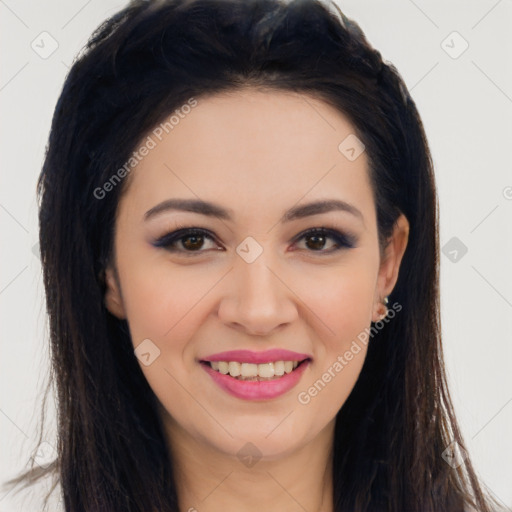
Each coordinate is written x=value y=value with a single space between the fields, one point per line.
x=455 y=58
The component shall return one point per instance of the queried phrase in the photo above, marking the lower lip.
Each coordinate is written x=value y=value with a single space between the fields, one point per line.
x=257 y=390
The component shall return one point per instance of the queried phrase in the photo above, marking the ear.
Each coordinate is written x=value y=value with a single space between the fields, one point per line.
x=390 y=264
x=113 y=298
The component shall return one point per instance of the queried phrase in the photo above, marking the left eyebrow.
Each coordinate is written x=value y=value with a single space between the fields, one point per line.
x=214 y=210
x=318 y=207
x=190 y=205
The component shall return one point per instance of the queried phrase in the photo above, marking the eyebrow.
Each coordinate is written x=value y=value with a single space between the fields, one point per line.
x=214 y=210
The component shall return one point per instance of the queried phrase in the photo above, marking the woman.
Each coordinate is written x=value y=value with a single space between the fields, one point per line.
x=239 y=238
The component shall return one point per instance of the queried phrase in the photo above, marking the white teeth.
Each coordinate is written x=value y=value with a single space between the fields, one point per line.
x=279 y=368
x=223 y=367
x=250 y=371
x=266 y=370
x=234 y=369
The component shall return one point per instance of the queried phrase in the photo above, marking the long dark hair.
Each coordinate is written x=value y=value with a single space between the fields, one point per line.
x=138 y=67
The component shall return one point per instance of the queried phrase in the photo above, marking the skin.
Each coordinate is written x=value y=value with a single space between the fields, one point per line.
x=257 y=153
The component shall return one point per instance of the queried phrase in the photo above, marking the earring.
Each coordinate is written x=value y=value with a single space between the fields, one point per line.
x=383 y=308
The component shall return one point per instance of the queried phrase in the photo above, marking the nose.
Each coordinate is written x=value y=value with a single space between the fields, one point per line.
x=258 y=300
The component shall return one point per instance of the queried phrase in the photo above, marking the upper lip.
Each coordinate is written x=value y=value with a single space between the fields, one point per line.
x=248 y=356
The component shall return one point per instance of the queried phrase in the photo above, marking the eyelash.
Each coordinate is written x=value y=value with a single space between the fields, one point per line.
x=342 y=241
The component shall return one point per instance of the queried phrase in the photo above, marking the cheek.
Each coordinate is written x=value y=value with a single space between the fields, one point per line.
x=159 y=302
x=345 y=307
x=163 y=305
x=342 y=299
x=326 y=389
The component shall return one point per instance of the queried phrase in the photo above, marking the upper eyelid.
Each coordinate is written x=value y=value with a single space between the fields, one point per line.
x=181 y=232
x=350 y=240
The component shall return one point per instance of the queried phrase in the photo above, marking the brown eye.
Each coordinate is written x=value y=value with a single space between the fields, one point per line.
x=192 y=242
x=316 y=240
x=185 y=240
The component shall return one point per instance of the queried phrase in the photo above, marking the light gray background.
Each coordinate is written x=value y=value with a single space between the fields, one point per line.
x=466 y=104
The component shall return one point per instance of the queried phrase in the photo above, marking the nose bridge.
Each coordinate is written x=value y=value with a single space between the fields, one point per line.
x=259 y=300
x=255 y=279
x=254 y=257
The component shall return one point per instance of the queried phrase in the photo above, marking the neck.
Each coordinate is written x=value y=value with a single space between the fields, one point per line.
x=210 y=480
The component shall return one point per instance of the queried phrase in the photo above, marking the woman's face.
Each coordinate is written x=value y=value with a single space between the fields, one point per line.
x=249 y=168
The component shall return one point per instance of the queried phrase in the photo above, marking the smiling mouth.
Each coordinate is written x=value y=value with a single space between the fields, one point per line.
x=254 y=372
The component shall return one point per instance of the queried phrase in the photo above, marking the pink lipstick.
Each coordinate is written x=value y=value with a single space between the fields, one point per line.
x=256 y=375
x=248 y=356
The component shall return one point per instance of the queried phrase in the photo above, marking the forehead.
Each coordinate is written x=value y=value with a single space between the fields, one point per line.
x=252 y=147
